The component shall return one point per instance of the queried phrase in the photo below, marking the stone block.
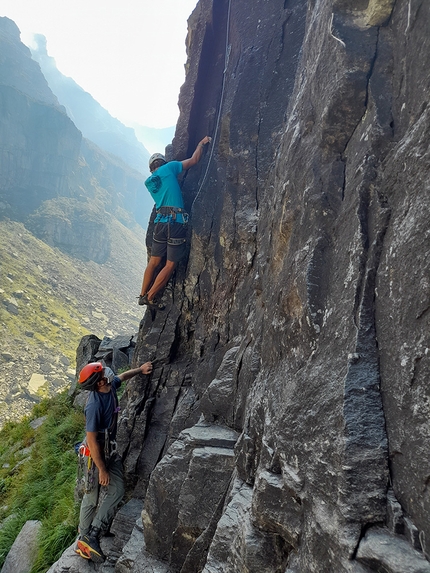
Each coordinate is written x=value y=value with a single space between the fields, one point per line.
x=412 y=534
x=85 y=353
x=37 y=422
x=185 y=489
x=219 y=398
x=36 y=382
x=22 y=554
x=209 y=473
x=382 y=551
x=276 y=508
x=239 y=546
x=125 y=520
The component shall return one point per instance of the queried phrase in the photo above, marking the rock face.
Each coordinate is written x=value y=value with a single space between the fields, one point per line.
x=300 y=320
x=299 y=323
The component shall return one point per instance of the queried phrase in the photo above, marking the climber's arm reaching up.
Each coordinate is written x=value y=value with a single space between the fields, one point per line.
x=196 y=156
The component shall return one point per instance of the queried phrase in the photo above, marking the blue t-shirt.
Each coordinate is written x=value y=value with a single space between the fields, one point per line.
x=100 y=408
x=164 y=187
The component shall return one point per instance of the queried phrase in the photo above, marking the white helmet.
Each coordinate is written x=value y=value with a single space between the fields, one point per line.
x=109 y=374
x=154 y=157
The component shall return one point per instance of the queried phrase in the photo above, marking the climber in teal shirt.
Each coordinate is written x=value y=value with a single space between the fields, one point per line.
x=170 y=222
x=164 y=187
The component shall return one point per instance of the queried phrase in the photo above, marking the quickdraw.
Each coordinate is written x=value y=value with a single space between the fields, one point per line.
x=85 y=480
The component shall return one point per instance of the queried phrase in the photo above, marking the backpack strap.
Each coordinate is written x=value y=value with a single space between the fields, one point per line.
x=110 y=445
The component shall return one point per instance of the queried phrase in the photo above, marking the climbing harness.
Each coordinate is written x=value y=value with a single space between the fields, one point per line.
x=171 y=212
x=175 y=242
x=226 y=61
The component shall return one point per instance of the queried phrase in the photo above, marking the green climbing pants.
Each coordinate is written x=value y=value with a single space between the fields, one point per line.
x=98 y=506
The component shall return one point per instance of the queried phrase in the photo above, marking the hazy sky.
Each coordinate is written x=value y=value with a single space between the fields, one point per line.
x=128 y=54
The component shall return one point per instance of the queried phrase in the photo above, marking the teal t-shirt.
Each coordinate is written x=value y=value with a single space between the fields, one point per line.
x=164 y=187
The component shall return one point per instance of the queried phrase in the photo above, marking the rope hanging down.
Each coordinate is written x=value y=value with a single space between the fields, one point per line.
x=226 y=60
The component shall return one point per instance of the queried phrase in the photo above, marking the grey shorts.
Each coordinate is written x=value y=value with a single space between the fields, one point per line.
x=169 y=239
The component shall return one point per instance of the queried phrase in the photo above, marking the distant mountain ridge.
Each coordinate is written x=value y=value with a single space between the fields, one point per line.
x=89 y=116
x=42 y=153
x=72 y=245
x=17 y=69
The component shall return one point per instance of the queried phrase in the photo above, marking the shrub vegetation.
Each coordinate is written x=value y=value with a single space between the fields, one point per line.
x=37 y=478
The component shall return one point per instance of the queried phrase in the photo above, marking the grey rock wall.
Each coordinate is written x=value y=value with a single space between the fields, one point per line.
x=300 y=319
x=23 y=552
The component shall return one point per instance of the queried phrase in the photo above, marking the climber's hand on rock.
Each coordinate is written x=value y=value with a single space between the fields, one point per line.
x=146 y=368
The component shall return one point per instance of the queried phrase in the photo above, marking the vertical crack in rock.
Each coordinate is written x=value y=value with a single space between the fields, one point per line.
x=317 y=282
x=365 y=457
x=363 y=216
x=371 y=68
x=210 y=72
x=144 y=431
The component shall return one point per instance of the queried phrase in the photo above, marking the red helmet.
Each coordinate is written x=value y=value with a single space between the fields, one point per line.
x=90 y=375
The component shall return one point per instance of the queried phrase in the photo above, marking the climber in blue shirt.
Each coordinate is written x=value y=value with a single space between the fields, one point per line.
x=103 y=465
x=170 y=222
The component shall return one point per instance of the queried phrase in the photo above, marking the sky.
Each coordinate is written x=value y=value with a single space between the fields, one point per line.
x=128 y=54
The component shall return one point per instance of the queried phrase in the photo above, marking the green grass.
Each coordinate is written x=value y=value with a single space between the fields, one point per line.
x=42 y=487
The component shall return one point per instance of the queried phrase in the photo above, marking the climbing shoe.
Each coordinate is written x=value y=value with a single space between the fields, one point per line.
x=83 y=553
x=88 y=547
x=153 y=304
x=142 y=300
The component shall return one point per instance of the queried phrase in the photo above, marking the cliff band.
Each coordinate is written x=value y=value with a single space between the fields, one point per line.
x=286 y=426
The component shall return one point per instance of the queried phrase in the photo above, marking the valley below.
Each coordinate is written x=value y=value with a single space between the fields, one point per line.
x=49 y=300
